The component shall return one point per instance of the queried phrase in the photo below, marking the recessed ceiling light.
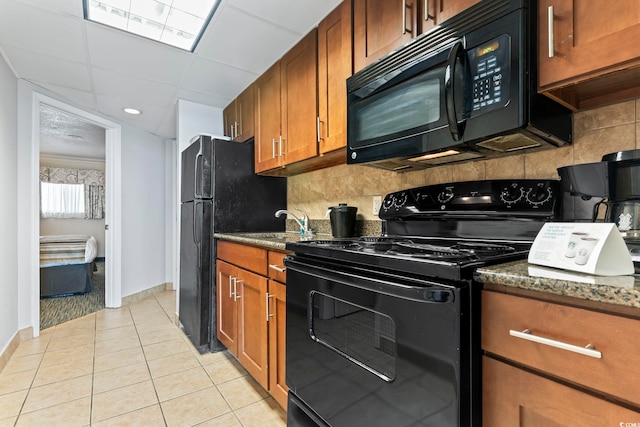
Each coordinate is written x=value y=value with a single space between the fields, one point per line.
x=178 y=23
x=131 y=111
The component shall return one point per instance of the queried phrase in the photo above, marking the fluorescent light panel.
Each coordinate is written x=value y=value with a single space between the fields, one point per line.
x=178 y=23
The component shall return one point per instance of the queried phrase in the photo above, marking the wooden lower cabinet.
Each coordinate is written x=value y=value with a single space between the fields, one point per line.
x=277 y=341
x=243 y=310
x=549 y=364
x=514 y=397
x=251 y=310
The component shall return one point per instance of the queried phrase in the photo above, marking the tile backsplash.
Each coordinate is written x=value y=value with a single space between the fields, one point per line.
x=596 y=132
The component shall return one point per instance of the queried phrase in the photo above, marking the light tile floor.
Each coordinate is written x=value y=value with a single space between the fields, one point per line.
x=129 y=367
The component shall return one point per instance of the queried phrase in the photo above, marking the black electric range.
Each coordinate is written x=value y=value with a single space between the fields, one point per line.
x=385 y=330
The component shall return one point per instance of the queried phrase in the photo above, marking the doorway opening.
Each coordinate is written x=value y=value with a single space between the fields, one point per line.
x=110 y=225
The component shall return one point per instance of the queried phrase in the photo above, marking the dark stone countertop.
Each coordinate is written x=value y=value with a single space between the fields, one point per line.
x=618 y=290
x=269 y=240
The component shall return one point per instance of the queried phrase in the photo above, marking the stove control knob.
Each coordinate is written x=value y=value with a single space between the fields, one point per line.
x=445 y=195
x=511 y=194
x=401 y=199
x=388 y=202
x=538 y=195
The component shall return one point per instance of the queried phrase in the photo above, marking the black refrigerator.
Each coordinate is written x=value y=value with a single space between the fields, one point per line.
x=219 y=193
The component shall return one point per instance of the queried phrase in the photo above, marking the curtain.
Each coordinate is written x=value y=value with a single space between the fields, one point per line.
x=92 y=181
x=62 y=200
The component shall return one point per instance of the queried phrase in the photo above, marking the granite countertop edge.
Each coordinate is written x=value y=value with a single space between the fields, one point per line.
x=619 y=290
x=275 y=240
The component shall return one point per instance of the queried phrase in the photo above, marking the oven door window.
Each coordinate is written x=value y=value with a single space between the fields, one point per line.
x=413 y=106
x=361 y=335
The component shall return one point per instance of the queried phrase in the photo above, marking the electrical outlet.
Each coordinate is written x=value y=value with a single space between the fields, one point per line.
x=377 y=201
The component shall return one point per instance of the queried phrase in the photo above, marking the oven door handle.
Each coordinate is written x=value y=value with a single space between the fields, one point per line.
x=457 y=53
x=428 y=293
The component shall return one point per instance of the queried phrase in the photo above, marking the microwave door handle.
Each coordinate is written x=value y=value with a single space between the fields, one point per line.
x=455 y=127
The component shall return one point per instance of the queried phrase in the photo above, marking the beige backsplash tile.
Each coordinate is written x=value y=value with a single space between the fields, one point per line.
x=604 y=117
x=469 y=171
x=505 y=167
x=591 y=146
x=596 y=132
x=544 y=164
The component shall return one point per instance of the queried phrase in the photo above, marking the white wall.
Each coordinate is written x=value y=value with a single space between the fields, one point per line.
x=197 y=119
x=144 y=233
x=8 y=206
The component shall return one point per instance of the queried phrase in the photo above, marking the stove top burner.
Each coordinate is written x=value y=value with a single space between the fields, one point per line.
x=437 y=249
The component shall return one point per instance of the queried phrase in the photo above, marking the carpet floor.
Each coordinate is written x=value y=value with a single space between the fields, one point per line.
x=54 y=311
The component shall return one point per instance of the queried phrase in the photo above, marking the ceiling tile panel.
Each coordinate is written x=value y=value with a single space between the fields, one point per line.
x=40 y=69
x=118 y=51
x=81 y=97
x=134 y=89
x=253 y=50
x=41 y=31
x=65 y=7
x=150 y=118
x=217 y=79
x=298 y=15
x=204 y=98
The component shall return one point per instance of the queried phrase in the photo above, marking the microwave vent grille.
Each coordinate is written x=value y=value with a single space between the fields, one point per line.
x=508 y=143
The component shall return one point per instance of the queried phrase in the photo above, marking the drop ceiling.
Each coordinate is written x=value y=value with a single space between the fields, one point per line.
x=48 y=43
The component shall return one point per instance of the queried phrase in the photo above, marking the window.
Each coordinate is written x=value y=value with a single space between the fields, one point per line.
x=61 y=200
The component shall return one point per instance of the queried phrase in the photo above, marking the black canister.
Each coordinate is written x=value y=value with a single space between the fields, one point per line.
x=343 y=220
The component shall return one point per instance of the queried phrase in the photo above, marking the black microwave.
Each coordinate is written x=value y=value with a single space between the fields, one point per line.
x=465 y=90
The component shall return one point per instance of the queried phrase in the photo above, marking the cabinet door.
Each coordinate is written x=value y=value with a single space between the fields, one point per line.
x=244 y=115
x=299 y=100
x=590 y=38
x=226 y=306
x=380 y=26
x=229 y=119
x=435 y=12
x=334 y=67
x=252 y=322
x=277 y=341
x=513 y=397
x=268 y=143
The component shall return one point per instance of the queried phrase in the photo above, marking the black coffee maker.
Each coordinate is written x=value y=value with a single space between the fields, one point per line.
x=615 y=184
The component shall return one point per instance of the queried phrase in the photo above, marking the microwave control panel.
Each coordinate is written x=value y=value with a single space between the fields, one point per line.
x=489 y=64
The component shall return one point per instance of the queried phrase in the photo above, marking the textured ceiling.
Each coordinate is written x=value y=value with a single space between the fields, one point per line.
x=100 y=69
x=63 y=135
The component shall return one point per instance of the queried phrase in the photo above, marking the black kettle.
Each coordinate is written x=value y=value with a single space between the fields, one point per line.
x=343 y=220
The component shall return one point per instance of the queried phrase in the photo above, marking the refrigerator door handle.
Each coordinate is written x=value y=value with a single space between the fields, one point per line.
x=197 y=228
x=196 y=173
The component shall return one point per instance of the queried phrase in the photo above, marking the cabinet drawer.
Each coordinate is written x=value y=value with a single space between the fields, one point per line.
x=277 y=270
x=248 y=257
x=615 y=373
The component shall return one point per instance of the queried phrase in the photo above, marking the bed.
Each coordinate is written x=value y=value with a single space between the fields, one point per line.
x=66 y=264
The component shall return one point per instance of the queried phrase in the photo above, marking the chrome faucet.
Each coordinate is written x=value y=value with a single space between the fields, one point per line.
x=303 y=222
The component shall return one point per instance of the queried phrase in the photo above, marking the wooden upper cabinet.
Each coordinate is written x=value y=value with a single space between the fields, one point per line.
x=380 y=26
x=299 y=100
x=590 y=39
x=238 y=117
x=267 y=120
x=229 y=119
x=435 y=12
x=244 y=115
x=334 y=67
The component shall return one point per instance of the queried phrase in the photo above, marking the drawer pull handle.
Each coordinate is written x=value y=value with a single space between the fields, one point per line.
x=588 y=350
x=277 y=268
x=550 y=18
